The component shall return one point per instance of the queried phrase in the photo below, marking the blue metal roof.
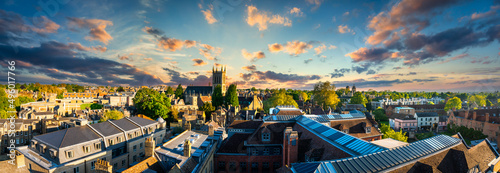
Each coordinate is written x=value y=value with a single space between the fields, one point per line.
x=351 y=145
x=381 y=160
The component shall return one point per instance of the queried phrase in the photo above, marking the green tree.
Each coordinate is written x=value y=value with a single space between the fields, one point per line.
x=170 y=90
x=111 y=115
x=380 y=115
x=179 y=92
x=430 y=103
x=208 y=109
x=488 y=103
x=120 y=89
x=254 y=89
x=324 y=94
x=152 y=104
x=95 y=106
x=454 y=102
x=390 y=133
x=359 y=98
x=279 y=98
x=304 y=96
x=232 y=96
x=217 y=98
x=480 y=100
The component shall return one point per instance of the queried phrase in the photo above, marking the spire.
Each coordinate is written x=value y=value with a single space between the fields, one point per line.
x=213 y=70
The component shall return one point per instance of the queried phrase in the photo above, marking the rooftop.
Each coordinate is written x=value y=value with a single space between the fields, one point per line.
x=68 y=137
x=245 y=124
x=174 y=147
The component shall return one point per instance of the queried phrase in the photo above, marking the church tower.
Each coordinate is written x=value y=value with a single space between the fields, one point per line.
x=219 y=78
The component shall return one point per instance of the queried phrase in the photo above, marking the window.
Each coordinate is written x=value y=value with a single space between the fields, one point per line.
x=76 y=170
x=266 y=151
x=69 y=154
x=119 y=139
x=243 y=166
x=222 y=165
x=92 y=165
x=86 y=149
x=276 y=151
x=255 y=166
x=232 y=166
x=276 y=165
x=97 y=146
x=133 y=158
x=123 y=162
x=266 y=137
x=115 y=165
x=111 y=141
x=140 y=146
x=255 y=151
x=135 y=148
x=265 y=165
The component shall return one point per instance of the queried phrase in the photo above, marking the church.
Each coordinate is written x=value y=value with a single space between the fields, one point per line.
x=218 y=78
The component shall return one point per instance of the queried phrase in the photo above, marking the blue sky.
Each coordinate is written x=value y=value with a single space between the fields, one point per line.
x=450 y=45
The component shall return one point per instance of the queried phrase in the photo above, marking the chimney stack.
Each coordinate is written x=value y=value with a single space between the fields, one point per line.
x=210 y=130
x=187 y=148
x=474 y=114
x=487 y=117
x=149 y=148
x=290 y=146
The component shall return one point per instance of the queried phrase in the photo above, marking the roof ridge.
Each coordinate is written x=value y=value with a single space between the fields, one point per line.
x=64 y=136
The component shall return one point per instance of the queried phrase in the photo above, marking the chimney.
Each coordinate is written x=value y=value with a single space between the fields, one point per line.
x=149 y=148
x=290 y=146
x=474 y=115
x=20 y=160
x=210 y=130
x=187 y=148
x=487 y=117
x=187 y=126
x=103 y=166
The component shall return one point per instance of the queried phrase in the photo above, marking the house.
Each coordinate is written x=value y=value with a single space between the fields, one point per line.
x=402 y=121
x=426 y=120
x=350 y=107
x=22 y=131
x=360 y=128
x=285 y=110
x=484 y=120
x=250 y=102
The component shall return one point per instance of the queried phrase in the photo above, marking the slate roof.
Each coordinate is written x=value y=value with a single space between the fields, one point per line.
x=290 y=112
x=276 y=130
x=203 y=90
x=355 y=127
x=125 y=124
x=68 y=137
x=427 y=114
x=245 y=124
x=235 y=143
x=106 y=128
x=142 y=121
x=401 y=116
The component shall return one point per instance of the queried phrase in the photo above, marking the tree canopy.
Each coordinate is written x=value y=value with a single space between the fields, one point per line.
x=207 y=108
x=359 y=98
x=152 y=104
x=454 y=102
x=232 y=96
x=179 y=92
x=380 y=115
x=111 y=115
x=390 y=133
x=170 y=90
x=217 y=97
x=279 y=98
x=324 y=94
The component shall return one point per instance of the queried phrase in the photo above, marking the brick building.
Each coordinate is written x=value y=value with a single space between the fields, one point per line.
x=484 y=120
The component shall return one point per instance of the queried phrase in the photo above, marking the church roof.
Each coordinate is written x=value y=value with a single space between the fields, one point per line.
x=203 y=90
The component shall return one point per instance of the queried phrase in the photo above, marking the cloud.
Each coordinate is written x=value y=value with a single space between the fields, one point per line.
x=339 y=72
x=362 y=83
x=166 y=43
x=148 y=59
x=208 y=13
x=345 y=29
x=461 y=56
x=492 y=12
x=278 y=77
x=180 y=78
x=249 y=68
x=199 y=62
x=252 y=56
x=14 y=27
x=275 y=47
x=263 y=18
x=296 y=11
x=397 y=68
x=316 y=3
x=48 y=26
x=307 y=61
x=97 y=28
x=320 y=49
x=210 y=52
x=408 y=14
x=60 y=62
x=370 y=55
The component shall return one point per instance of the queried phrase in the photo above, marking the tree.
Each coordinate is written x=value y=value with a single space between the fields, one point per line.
x=207 y=108
x=380 y=115
x=120 y=89
x=254 y=89
x=95 y=106
x=179 y=92
x=279 y=98
x=430 y=103
x=454 y=102
x=170 y=90
x=111 y=115
x=480 y=100
x=390 y=133
x=324 y=94
x=488 y=103
x=304 y=96
x=358 y=98
x=152 y=104
x=232 y=96
x=217 y=98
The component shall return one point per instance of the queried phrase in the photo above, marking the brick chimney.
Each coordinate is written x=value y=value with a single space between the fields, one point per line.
x=102 y=166
x=487 y=117
x=187 y=126
x=19 y=160
x=187 y=148
x=149 y=148
x=474 y=115
x=290 y=146
x=210 y=130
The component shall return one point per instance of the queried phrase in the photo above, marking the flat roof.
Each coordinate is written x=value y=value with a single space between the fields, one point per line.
x=174 y=147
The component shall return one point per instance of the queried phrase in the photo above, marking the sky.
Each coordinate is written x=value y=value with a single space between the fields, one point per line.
x=405 y=45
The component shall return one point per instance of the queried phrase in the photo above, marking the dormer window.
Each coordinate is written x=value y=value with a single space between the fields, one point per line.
x=345 y=131
x=368 y=129
x=266 y=136
x=86 y=149
x=97 y=146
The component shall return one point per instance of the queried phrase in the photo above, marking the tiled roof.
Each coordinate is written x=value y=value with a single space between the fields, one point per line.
x=289 y=112
x=276 y=130
x=142 y=121
x=204 y=90
x=235 y=143
x=382 y=160
x=245 y=124
x=427 y=114
x=68 y=137
x=355 y=127
x=106 y=128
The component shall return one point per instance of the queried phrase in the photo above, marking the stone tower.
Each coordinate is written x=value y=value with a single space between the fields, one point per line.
x=187 y=148
x=149 y=148
x=219 y=78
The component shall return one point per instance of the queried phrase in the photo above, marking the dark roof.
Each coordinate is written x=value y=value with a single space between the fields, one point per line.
x=276 y=130
x=106 y=128
x=245 y=124
x=142 y=121
x=443 y=118
x=203 y=90
x=401 y=116
x=427 y=114
x=125 y=124
x=235 y=143
x=290 y=112
x=68 y=137
x=355 y=127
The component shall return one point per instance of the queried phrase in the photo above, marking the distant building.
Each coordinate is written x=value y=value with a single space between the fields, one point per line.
x=218 y=78
x=427 y=120
x=401 y=121
x=250 y=102
x=24 y=130
x=486 y=120
x=122 y=99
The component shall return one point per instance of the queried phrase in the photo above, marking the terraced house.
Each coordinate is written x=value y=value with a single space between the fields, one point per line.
x=120 y=142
